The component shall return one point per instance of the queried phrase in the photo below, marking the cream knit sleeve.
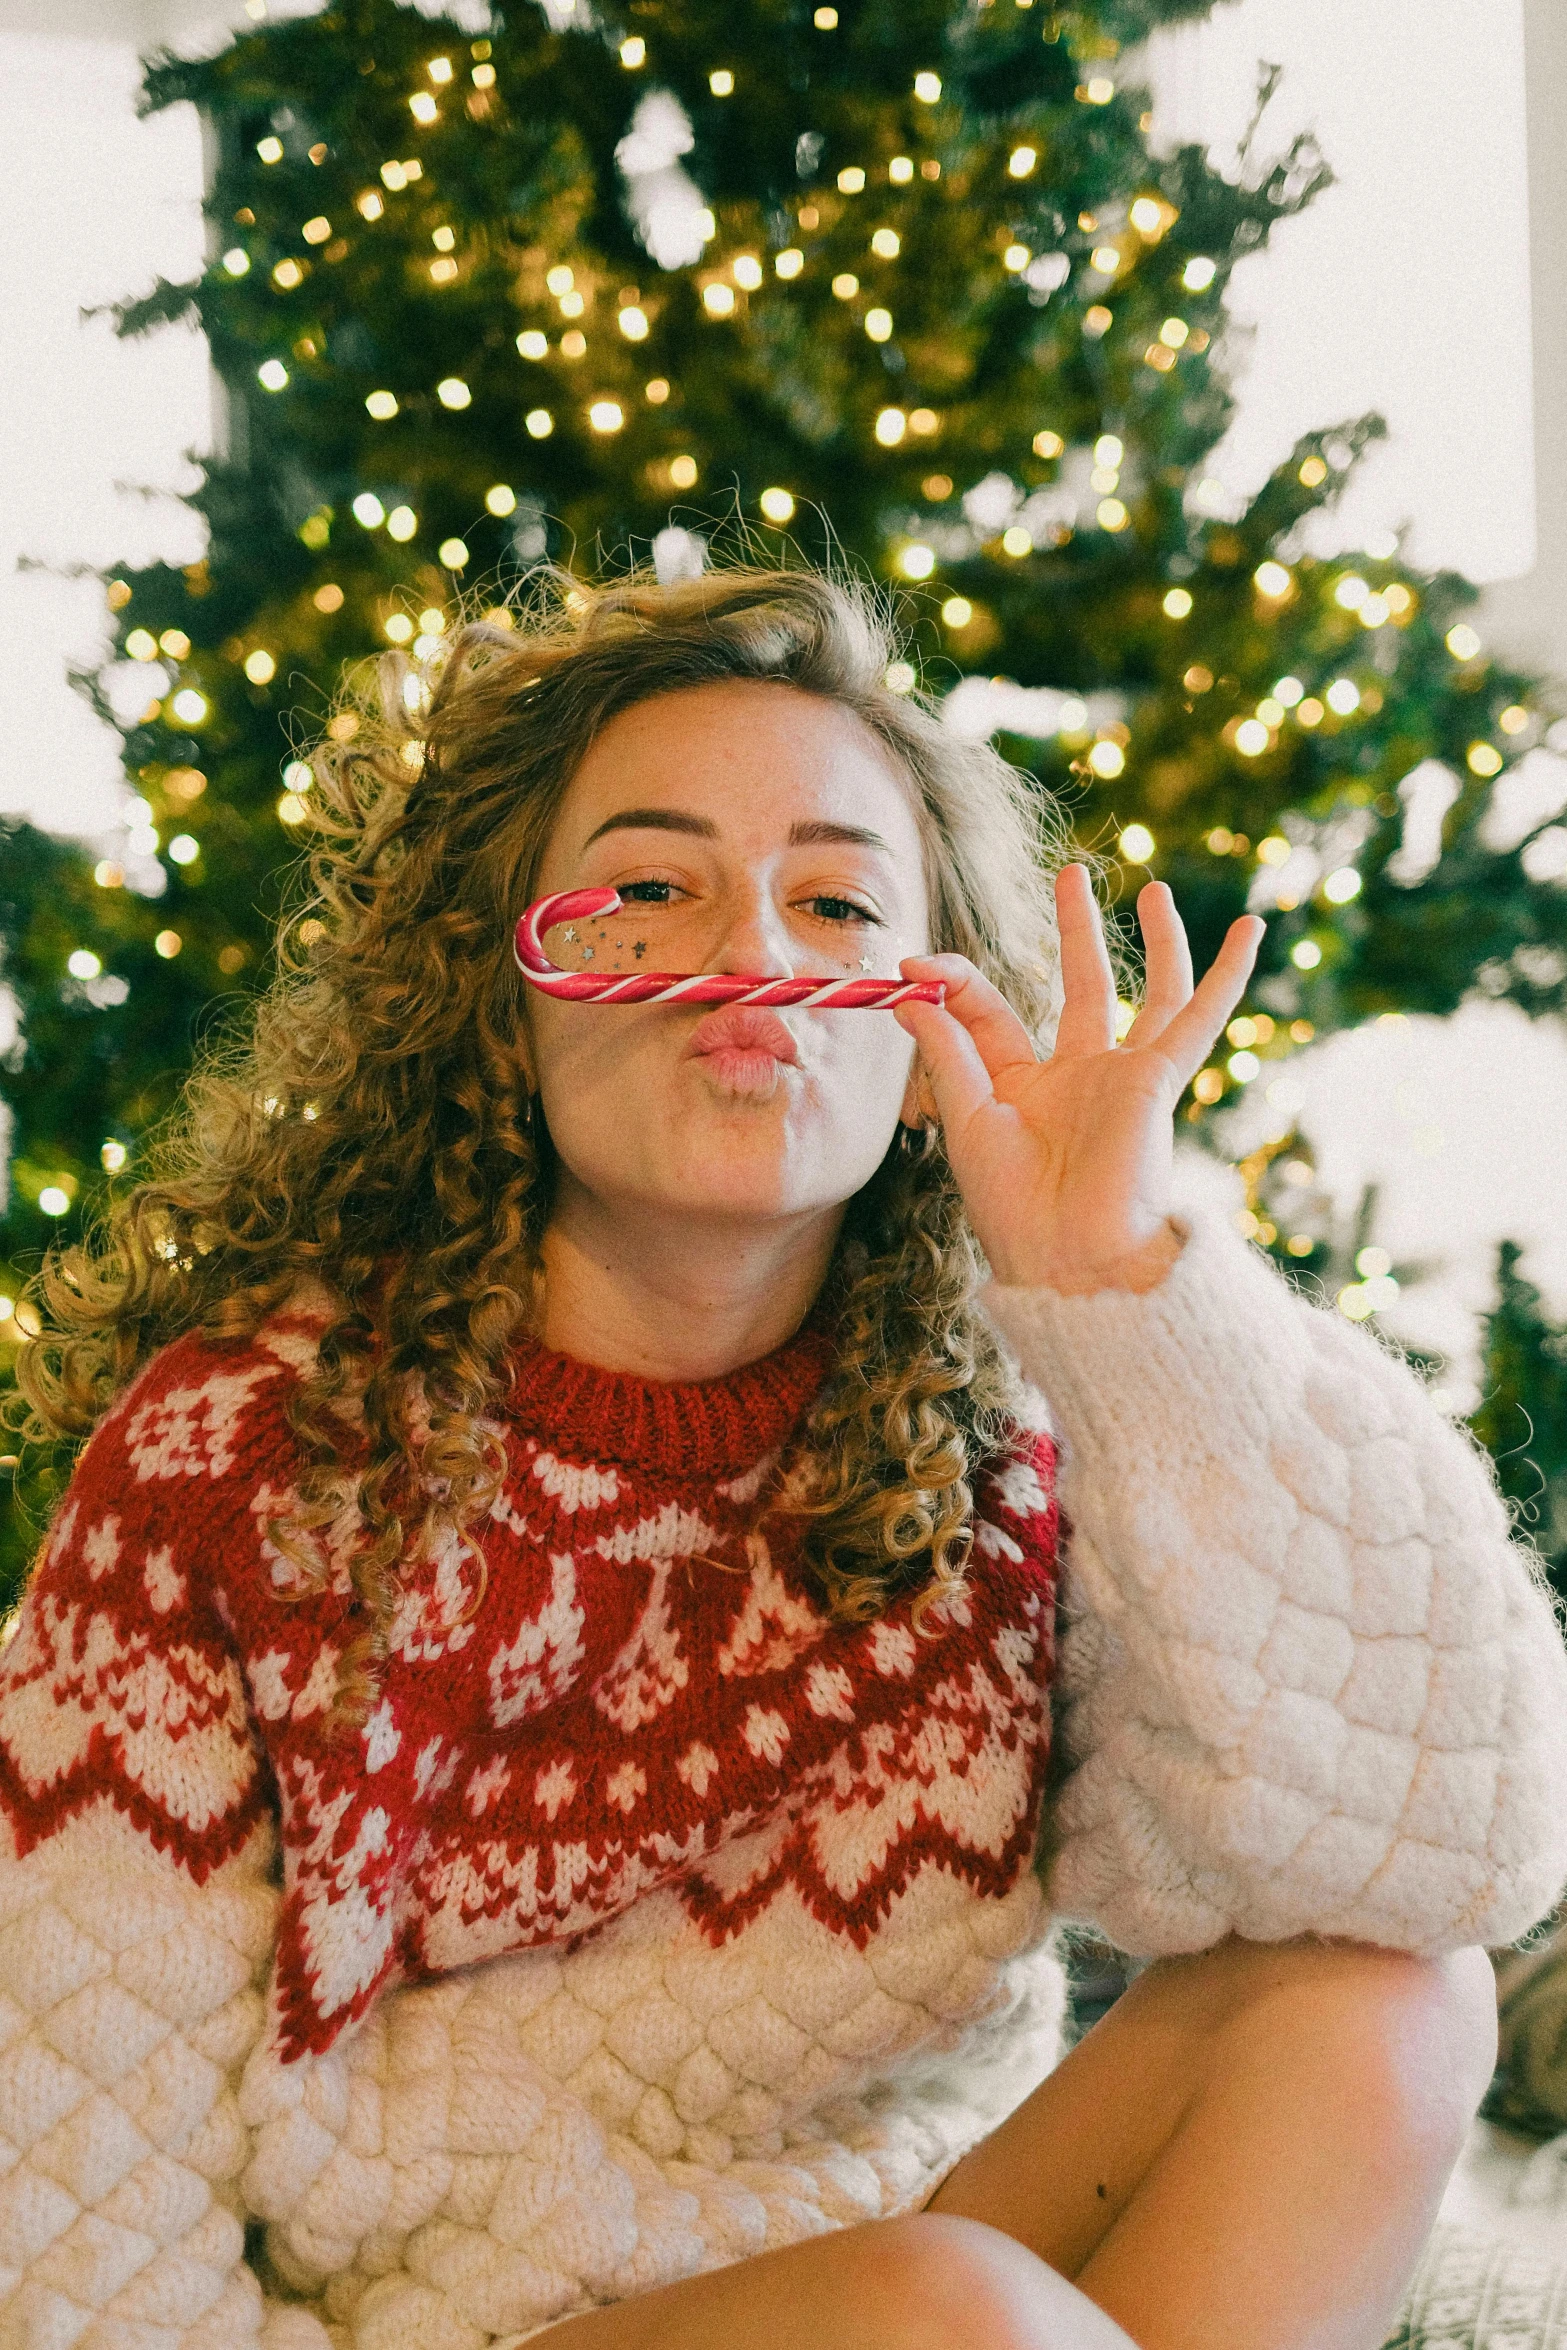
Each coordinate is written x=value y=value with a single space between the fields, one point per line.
x=1307 y=1683
x=129 y=1999
x=138 y=1916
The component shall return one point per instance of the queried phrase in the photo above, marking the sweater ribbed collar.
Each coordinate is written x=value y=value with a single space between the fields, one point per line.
x=673 y=1428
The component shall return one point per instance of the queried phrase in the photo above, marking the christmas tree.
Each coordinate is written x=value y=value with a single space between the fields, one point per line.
x=1523 y=1416
x=902 y=283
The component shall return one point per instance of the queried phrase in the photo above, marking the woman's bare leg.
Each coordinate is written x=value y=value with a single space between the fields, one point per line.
x=921 y=2283
x=1248 y=2151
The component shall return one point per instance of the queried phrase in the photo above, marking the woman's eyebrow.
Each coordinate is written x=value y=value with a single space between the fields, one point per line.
x=808 y=833
x=655 y=820
x=814 y=830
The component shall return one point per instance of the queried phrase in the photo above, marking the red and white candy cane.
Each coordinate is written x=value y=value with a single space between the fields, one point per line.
x=696 y=987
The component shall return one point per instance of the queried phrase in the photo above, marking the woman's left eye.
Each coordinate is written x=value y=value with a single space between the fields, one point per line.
x=831 y=909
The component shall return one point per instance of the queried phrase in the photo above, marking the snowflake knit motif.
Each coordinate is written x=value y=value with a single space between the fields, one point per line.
x=645 y=1685
x=622 y=1709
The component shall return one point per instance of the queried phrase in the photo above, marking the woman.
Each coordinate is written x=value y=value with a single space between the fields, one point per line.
x=525 y=1747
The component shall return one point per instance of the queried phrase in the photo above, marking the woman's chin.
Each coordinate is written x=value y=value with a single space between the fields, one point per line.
x=737 y=1159
x=742 y=1155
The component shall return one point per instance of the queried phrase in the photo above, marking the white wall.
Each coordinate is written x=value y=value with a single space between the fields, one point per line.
x=1405 y=286
x=1529 y=614
x=101 y=206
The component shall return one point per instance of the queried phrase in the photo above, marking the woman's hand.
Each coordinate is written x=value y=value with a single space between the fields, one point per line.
x=1065 y=1164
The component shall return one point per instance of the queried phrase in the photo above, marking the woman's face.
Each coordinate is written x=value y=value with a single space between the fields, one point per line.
x=748 y=828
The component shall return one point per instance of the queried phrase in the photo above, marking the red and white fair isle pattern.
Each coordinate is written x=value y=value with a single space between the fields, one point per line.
x=645 y=1696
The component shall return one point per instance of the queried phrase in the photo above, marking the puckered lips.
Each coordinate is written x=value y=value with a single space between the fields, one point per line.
x=743 y=1048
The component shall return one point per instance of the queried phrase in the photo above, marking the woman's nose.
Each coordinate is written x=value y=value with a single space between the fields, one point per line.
x=755 y=938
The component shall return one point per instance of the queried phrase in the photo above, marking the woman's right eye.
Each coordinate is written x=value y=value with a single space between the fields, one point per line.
x=646 y=893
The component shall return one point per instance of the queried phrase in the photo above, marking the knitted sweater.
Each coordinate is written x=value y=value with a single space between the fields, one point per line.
x=653 y=1919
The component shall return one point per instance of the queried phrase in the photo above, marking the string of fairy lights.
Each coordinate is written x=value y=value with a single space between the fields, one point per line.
x=578 y=323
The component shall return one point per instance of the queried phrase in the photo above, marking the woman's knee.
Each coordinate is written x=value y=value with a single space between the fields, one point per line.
x=1448 y=2012
x=935 y=2281
x=1412 y=2039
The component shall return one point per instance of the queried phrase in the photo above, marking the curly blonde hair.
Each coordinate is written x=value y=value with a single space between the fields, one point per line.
x=371 y=1138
